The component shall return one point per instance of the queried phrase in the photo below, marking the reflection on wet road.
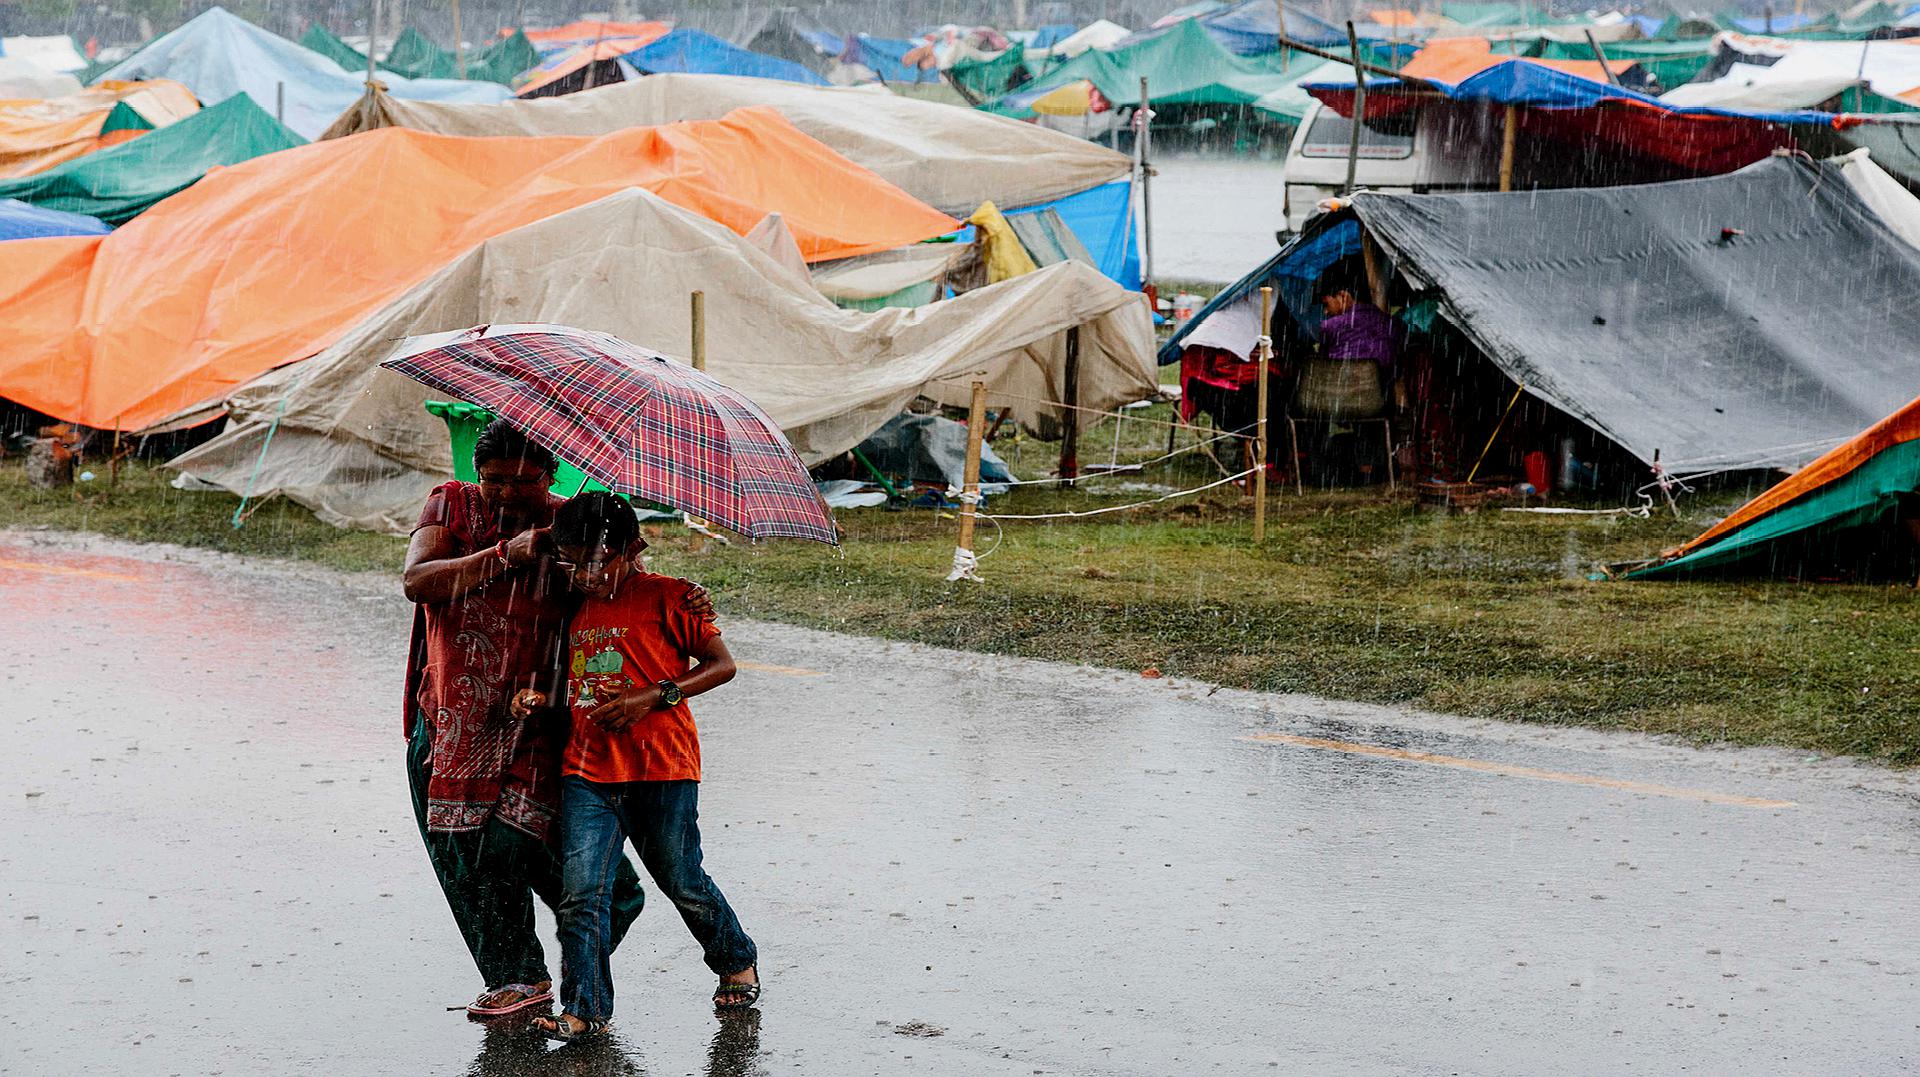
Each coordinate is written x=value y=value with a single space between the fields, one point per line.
x=954 y=864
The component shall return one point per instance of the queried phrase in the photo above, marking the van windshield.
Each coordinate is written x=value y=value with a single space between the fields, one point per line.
x=1390 y=138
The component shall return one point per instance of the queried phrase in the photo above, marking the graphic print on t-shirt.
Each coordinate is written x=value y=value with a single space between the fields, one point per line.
x=597 y=669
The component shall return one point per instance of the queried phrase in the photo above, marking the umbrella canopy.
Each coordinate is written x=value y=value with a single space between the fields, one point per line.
x=631 y=419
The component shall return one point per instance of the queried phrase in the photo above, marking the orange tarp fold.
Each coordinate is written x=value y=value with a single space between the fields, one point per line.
x=38 y=134
x=1896 y=429
x=271 y=260
x=1452 y=60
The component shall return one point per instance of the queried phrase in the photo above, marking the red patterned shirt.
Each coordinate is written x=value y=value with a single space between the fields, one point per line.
x=468 y=657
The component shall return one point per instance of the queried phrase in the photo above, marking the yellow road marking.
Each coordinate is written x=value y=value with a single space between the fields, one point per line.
x=1513 y=771
x=64 y=570
x=790 y=671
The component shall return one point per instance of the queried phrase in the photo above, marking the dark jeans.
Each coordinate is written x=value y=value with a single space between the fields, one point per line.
x=660 y=818
x=490 y=877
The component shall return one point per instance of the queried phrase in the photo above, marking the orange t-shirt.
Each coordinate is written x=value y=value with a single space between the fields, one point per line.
x=640 y=636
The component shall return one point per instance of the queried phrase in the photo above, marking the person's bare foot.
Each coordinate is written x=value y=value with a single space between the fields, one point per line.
x=567 y=1027
x=738 y=990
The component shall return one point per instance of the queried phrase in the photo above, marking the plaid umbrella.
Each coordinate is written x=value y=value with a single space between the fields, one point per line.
x=632 y=420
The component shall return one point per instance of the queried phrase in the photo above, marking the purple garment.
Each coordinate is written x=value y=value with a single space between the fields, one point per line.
x=1363 y=332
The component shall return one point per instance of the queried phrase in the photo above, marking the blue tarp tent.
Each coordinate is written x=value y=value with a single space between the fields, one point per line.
x=1252 y=28
x=218 y=54
x=1538 y=86
x=1048 y=36
x=886 y=56
x=18 y=220
x=1102 y=219
x=696 y=52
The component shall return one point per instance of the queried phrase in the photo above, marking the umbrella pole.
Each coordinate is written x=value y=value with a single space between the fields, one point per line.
x=699 y=349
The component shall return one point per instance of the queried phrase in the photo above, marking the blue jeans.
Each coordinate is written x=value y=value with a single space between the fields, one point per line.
x=660 y=818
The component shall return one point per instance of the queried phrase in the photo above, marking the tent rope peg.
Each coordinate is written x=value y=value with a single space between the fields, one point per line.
x=965 y=566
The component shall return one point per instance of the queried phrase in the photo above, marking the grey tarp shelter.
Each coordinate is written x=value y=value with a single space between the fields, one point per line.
x=1750 y=320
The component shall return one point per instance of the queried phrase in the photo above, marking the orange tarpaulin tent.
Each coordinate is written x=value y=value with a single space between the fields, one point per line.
x=1452 y=60
x=271 y=260
x=35 y=135
x=589 y=31
x=561 y=64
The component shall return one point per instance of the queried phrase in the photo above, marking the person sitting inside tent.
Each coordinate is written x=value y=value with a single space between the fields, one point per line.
x=1359 y=344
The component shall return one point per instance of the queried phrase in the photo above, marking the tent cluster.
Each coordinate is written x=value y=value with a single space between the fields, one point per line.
x=227 y=233
x=1217 y=67
x=1601 y=338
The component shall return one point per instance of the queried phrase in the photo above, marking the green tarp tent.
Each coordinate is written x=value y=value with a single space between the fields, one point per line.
x=319 y=39
x=984 y=80
x=1671 y=62
x=413 y=56
x=119 y=183
x=1847 y=512
x=1185 y=65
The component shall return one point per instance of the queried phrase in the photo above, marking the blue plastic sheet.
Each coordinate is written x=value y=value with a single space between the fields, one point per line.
x=218 y=54
x=1102 y=219
x=1291 y=273
x=695 y=52
x=18 y=220
x=887 y=57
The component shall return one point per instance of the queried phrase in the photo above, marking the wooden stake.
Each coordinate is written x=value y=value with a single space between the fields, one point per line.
x=1070 y=424
x=976 y=431
x=1265 y=356
x=1507 y=137
x=700 y=331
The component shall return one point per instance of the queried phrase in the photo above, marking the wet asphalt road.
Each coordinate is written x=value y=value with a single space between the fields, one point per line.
x=953 y=865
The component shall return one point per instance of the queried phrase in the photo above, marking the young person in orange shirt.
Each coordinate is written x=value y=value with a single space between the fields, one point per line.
x=632 y=764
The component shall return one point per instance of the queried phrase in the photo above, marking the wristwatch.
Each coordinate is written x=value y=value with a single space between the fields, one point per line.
x=670 y=694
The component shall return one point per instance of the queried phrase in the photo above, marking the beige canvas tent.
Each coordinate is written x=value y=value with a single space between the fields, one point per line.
x=950 y=158
x=352 y=441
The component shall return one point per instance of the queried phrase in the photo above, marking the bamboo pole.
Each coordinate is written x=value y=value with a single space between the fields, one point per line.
x=1264 y=354
x=976 y=432
x=459 y=45
x=373 y=40
x=1600 y=54
x=1359 y=110
x=1143 y=145
x=1280 y=7
x=1488 y=447
x=1070 y=423
x=700 y=331
x=1509 y=132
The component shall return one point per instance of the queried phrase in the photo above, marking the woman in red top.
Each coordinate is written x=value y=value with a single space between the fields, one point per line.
x=490 y=607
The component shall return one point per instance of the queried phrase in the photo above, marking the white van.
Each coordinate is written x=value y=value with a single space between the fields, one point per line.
x=1398 y=154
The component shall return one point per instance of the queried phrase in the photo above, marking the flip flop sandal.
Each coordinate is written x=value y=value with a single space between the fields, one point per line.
x=589 y=1028
x=532 y=999
x=735 y=996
